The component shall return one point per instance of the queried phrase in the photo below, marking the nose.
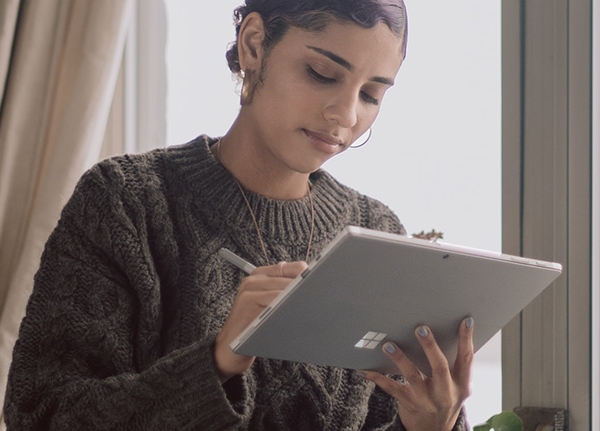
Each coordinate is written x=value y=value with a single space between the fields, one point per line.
x=342 y=110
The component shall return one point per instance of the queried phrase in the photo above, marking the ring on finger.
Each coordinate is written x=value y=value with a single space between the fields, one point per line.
x=280 y=267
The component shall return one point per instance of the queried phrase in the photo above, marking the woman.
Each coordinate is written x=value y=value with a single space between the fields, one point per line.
x=132 y=312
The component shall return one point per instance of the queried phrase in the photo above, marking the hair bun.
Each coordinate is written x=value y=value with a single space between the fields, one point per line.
x=314 y=15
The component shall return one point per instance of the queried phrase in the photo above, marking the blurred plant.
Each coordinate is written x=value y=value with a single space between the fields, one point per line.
x=433 y=235
x=505 y=421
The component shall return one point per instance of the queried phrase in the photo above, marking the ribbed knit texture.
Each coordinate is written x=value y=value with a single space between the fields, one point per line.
x=131 y=294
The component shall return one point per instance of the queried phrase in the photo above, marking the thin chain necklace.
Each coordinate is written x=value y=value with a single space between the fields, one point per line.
x=260 y=239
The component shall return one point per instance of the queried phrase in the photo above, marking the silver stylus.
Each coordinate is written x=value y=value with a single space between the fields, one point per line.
x=233 y=258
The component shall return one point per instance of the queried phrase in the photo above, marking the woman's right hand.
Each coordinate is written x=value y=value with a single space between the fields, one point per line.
x=254 y=294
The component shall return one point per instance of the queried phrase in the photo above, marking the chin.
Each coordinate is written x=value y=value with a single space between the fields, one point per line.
x=308 y=166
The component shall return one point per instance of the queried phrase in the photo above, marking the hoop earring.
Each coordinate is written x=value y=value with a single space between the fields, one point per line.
x=244 y=93
x=368 y=137
x=248 y=87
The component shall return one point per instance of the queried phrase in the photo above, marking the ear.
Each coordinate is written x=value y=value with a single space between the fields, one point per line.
x=250 y=39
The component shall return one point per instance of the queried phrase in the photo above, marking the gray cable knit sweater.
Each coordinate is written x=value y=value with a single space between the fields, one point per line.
x=131 y=294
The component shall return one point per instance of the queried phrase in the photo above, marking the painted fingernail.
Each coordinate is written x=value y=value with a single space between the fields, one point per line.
x=361 y=374
x=423 y=332
x=390 y=348
x=469 y=323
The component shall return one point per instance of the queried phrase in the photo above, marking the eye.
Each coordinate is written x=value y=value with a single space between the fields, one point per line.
x=318 y=77
x=366 y=97
x=369 y=99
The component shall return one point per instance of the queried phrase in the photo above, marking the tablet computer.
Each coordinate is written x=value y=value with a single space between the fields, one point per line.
x=368 y=287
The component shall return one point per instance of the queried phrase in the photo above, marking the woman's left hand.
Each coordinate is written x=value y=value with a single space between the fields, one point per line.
x=430 y=403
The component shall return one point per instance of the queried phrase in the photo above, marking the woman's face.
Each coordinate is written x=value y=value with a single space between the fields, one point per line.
x=321 y=91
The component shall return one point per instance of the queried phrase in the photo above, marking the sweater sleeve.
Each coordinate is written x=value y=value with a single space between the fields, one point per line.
x=89 y=350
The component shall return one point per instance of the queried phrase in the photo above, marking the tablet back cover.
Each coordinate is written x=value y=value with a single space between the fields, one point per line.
x=369 y=287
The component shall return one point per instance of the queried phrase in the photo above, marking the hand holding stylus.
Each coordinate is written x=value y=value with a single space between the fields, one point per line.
x=255 y=293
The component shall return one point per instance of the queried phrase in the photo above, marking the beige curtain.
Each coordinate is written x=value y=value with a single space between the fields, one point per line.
x=59 y=63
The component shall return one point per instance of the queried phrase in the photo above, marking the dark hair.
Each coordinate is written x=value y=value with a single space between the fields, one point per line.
x=314 y=15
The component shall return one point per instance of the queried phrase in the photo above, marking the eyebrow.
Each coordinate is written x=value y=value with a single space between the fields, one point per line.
x=347 y=65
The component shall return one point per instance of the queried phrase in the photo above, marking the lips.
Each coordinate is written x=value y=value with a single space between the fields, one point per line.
x=323 y=140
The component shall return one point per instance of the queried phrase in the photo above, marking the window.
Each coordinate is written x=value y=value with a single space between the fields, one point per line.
x=596 y=221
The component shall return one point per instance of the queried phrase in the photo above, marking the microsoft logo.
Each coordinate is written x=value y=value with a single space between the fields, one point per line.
x=371 y=340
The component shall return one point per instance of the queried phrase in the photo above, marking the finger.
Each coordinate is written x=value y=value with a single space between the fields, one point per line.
x=435 y=356
x=280 y=266
x=251 y=300
x=273 y=277
x=246 y=308
x=407 y=368
x=259 y=282
x=282 y=269
x=464 y=357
